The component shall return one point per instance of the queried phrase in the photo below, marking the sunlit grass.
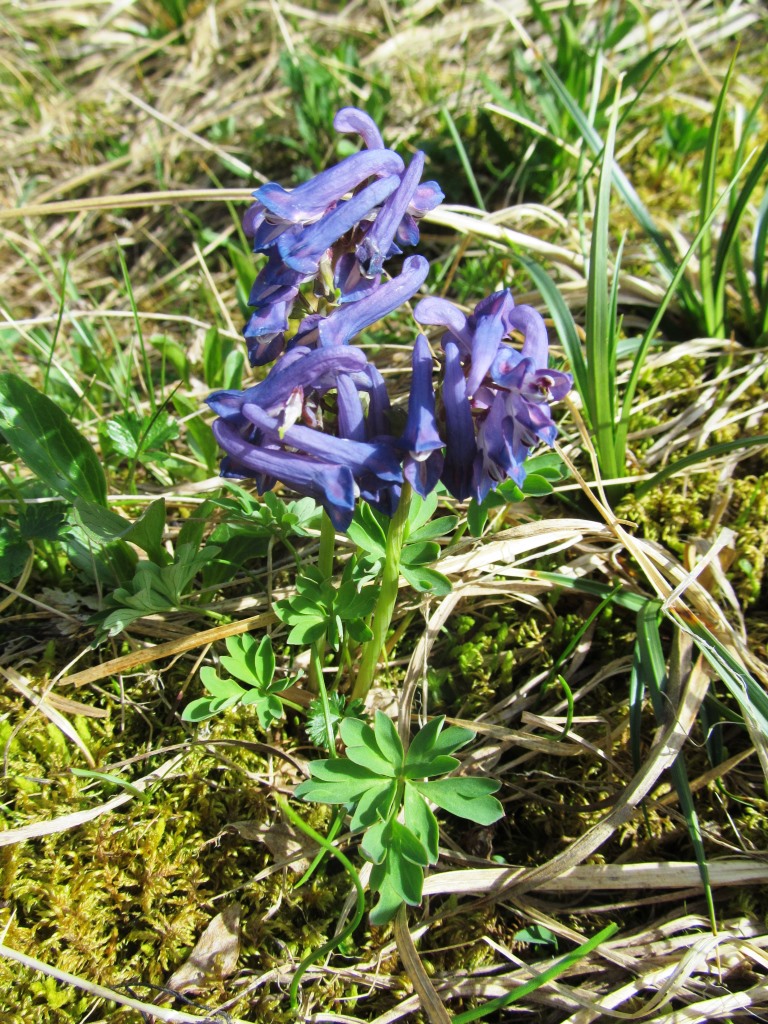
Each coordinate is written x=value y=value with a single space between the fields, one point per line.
x=587 y=639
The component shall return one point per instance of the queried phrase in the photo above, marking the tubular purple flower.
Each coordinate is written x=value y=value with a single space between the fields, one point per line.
x=311 y=370
x=351 y=120
x=302 y=248
x=378 y=243
x=310 y=201
x=377 y=460
x=348 y=320
x=423 y=461
x=331 y=485
x=494 y=390
x=460 y=446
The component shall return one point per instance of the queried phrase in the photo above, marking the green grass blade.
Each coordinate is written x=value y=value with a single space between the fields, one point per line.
x=463 y=157
x=623 y=185
x=600 y=398
x=557 y=968
x=654 y=675
x=712 y=452
x=650 y=334
x=713 y=316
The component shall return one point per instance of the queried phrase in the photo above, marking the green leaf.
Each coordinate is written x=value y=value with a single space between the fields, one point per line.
x=387 y=739
x=433 y=739
x=374 y=805
x=420 y=553
x=337 y=781
x=307 y=630
x=363 y=748
x=389 y=901
x=42 y=436
x=218 y=687
x=147 y=532
x=435 y=528
x=420 y=512
x=404 y=864
x=465 y=797
x=421 y=821
x=14 y=553
x=535 y=486
x=367 y=532
x=427 y=580
x=206 y=707
x=373 y=846
x=264 y=661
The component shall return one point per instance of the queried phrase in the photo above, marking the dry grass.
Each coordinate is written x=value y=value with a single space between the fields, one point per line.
x=123 y=132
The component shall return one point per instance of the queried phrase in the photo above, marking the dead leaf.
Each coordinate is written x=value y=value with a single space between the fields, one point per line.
x=287 y=846
x=214 y=956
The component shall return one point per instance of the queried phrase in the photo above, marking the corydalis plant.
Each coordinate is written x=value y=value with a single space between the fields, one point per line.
x=388 y=792
x=321 y=421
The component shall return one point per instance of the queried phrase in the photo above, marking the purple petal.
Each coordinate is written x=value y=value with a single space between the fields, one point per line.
x=486 y=339
x=531 y=324
x=274 y=283
x=378 y=460
x=421 y=434
x=302 y=248
x=426 y=197
x=376 y=246
x=352 y=120
x=423 y=473
x=310 y=201
x=333 y=486
x=347 y=321
x=351 y=419
x=442 y=313
x=460 y=448
x=350 y=281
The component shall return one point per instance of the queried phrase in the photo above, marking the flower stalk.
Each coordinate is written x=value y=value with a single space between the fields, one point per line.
x=385 y=605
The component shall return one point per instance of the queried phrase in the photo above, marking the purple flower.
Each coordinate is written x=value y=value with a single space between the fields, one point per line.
x=312 y=200
x=421 y=441
x=348 y=320
x=495 y=398
x=275 y=431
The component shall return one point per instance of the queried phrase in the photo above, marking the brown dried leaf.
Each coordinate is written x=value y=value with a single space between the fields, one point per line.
x=215 y=954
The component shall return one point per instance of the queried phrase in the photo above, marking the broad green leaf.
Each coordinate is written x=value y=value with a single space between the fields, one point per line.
x=219 y=687
x=426 y=580
x=265 y=661
x=535 y=486
x=337 y=781
x=374 y=805
x=389 y=902
x=206 y=707
x=387 y=739
x=43 y=436
x=421 y=821
x=363 y=748
x=420 y=553
x=405 y=872
x=366 y=531
x=147 y=532
x=374 y=845
x=420 y=512
x=433 y=529
x=432 y=739
x=465 y=797
x=432 y=764
x=307 y=630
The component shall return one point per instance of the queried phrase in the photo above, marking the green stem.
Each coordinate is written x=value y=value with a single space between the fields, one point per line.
x=385 y=605
x=325 y=566
x=337 y=940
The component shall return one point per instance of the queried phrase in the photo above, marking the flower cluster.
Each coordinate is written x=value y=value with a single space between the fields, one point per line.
x=495 y=398
x=320 y=421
